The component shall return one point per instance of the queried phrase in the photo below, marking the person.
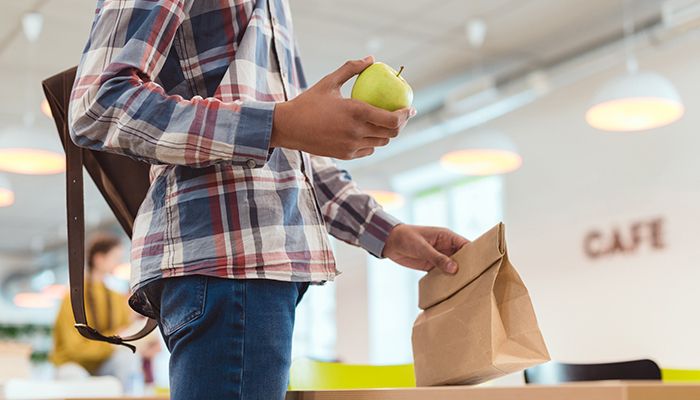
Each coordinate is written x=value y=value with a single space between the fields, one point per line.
x=77 y=357
x=244 y=190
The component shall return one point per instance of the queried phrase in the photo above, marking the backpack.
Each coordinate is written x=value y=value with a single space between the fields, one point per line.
x=122 y=181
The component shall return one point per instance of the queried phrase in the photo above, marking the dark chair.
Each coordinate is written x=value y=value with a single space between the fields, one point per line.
x=554 y=372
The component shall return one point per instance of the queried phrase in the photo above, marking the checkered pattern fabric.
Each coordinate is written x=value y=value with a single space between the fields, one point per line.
x=190 y=86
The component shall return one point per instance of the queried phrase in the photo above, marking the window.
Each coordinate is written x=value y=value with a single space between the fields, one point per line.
x=469 y=207
x=314 y=328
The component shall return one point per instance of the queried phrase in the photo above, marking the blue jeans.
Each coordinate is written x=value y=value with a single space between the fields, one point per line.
x=228 y=339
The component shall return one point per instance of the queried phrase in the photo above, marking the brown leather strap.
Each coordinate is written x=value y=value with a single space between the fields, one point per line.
x=76 y=210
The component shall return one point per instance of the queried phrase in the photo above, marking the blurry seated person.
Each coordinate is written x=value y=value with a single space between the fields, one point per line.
x=108 y=312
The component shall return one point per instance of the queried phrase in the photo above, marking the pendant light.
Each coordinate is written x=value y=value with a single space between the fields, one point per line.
x=122 y=271
x=33 y=300
x=387 y=199
x=637 y=101
x=46 y=108
x=380 y=189
x=483 y=153
x=7 y=196
x=23 y=150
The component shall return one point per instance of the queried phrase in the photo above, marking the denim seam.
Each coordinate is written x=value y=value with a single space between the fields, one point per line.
x=243 y=310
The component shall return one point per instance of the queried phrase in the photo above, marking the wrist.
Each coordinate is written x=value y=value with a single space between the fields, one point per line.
x=280 y=124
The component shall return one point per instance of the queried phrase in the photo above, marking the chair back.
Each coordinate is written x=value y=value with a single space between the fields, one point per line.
x=307 y=374
x=680 y=375
x=554 y=373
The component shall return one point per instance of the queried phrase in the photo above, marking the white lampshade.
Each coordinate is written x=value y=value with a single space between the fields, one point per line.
x=7 y=196
x=25 y=151
x=483 y=153
x=635 y=102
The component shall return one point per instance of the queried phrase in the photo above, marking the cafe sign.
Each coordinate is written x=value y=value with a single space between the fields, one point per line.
x=625 y=240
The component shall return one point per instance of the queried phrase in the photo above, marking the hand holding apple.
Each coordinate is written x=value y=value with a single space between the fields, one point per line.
x=320 y=121
x=383 y=87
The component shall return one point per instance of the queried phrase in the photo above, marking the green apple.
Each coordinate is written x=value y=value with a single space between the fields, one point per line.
x=383 y=87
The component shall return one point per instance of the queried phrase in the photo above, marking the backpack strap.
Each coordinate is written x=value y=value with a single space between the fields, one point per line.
x=76 y=222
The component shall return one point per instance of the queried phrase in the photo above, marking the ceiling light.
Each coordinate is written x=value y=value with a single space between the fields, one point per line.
x=31 y=161
x=374 y=45
x=379 y=187
x=55 y=291
x=33 y=300
x=635 y=102
x=482 y=154
x=387 y=199
x=122 y=271
x=24 y=151
x=7 y=196
x=45 y=108
x=476 y=32
x=32 y=24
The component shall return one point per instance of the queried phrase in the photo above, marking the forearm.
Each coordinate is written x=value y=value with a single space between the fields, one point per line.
x=350 y=215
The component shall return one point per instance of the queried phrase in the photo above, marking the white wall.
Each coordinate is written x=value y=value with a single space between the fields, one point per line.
x=352 y=316
x=575 y=179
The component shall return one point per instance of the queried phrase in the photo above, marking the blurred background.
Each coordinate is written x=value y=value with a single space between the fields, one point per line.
x=575 y=123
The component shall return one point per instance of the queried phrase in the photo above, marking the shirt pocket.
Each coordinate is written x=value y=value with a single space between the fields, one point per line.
x=182 y=302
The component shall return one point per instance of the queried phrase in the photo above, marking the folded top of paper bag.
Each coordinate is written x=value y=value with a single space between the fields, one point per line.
x=473 y=259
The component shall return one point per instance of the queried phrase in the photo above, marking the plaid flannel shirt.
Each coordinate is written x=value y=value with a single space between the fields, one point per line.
x=190 y=87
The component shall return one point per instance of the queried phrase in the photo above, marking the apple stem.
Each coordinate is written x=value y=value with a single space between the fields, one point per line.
x=400 y=71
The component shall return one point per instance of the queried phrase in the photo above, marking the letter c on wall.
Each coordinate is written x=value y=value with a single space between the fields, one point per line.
x=591 y=245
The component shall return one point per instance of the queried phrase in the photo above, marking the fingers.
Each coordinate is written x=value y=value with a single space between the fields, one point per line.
x=444 y=240
x=383 y=118
x=457 y=241
x=439 y=260
x=367 y=147
x=449 y=242
x=374 y=142
x=363 y=152
x=417 y=264
x=348 y=70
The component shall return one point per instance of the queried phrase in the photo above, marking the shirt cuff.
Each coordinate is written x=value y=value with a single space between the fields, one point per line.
x=252 y=139
x=376 y=231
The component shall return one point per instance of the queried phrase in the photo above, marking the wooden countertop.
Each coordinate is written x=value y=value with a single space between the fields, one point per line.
x=612 y=390
x=640 y=390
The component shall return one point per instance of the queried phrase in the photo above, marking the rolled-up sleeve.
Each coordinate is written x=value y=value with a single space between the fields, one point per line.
x=350 y=215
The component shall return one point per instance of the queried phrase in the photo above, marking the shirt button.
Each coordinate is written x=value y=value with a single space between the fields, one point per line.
x=284 y=74
x=251 y=163
x=274 y=20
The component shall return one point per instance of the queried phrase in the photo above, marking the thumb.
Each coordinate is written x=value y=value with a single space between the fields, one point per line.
x=348 y=70
x=439 y=260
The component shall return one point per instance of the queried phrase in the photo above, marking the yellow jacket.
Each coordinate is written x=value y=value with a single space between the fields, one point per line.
x=70 y=346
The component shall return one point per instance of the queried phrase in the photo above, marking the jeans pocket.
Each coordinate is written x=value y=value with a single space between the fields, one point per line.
x=182 y=302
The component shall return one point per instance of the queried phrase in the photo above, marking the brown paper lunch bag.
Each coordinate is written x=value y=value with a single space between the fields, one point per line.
x=478 y=324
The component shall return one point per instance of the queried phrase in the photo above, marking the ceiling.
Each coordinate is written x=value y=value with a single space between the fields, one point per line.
x=426 y=36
